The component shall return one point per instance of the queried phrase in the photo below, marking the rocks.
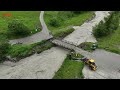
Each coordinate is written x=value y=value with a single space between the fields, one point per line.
x=45 y=64
x=37 y=66
x=11 y=59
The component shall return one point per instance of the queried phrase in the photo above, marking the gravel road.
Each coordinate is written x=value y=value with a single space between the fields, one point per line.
x=44 y=65
x=83 y=33
x=38 y=66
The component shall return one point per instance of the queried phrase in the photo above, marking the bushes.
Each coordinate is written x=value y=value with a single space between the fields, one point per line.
x=88 y=46
x=105 y=28
x=4 y=47
x=3 y=50
x=20 y=51
x=77 y=12
x=100 y=30
x=113 y=22
x=61 y=16
x=17 y=28
x=45 y=46
x=64 y=15
x=63 y=33
x=54 y=22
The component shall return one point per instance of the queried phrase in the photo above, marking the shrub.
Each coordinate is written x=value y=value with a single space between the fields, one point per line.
x=100 y=30
x=18 y=28
x=77 y=12
x=44 y=46
x=113 y=21
x=62 y=34
x=87 y=46
x=20 y=51
x=63 y=15
x=105 y=28
x=4 y=47
x=54 y=22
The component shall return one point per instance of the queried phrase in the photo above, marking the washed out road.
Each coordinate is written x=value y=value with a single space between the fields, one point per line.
x=44 y=65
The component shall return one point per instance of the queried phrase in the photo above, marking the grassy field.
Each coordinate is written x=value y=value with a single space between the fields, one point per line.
x=29 y=18
x=22 y=51
x=111 y=42
x=65 y=23
x=70 y=70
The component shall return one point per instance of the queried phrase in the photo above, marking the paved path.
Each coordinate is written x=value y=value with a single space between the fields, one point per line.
x=108 y=66
x=44 y=65
x=43 y=35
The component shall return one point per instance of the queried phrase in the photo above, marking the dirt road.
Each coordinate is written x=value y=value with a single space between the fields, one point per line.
x=44 y=65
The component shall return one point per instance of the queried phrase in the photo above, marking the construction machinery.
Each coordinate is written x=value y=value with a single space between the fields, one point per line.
x=94 y=46
x=90 y=62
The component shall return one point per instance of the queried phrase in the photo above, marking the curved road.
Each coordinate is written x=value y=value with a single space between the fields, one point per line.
x=108 y=66
x=45 y=64
x=45 y=29
x=43 y=35
x=108 y=63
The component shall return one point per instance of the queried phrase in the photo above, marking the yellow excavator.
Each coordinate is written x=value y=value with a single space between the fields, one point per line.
x=89 y=62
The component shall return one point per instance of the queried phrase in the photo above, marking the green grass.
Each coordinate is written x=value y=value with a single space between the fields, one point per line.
x=42 y=46
x=66 y=22
x=63 y=33
x=70 y=69
x=22 y=51
x=29 y=18
x=111 y=42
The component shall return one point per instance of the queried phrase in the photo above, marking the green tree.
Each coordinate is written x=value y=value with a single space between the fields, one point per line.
x=113 y=21
x=100 y=30
x=105 y=28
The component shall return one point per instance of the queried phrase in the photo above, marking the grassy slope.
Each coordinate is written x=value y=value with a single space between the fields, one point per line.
x=70 y=70
x=19 y=50
x=74 y=21
x=29 y=18
x=22 y=51
x=111 y=42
